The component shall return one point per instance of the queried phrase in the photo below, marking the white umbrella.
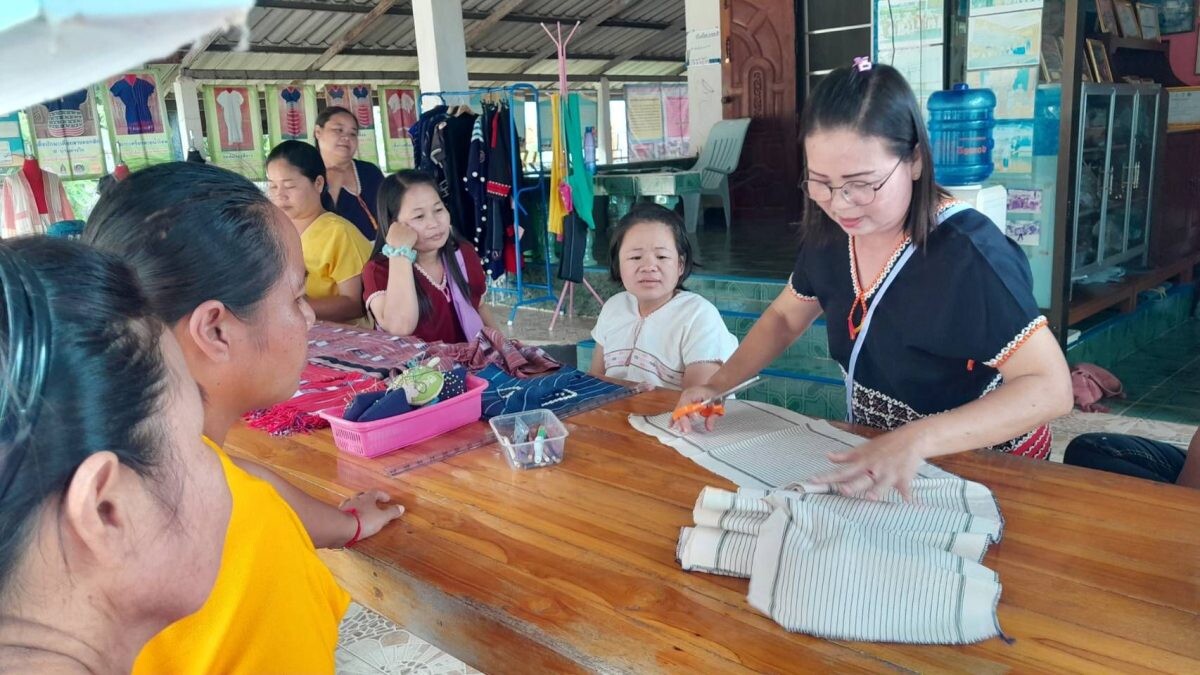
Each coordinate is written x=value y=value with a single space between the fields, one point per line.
x=51 y=47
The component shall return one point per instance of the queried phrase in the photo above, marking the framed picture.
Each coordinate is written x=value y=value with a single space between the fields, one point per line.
x=1148 y=19
x=1098 y=57
x=1127 y=19
x=1176 y=16
x=1106 y=16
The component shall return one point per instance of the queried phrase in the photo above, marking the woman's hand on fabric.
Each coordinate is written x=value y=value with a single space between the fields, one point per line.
x=691 y=396
x=401 y=234
x=875 y=467
x=374 y=509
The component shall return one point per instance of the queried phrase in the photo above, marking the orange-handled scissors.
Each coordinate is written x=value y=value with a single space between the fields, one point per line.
x=713 y=407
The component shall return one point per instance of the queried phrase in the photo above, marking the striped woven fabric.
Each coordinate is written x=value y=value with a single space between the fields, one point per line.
x=829 y=565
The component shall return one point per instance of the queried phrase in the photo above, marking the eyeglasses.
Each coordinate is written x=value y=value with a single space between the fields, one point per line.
x=856 y=192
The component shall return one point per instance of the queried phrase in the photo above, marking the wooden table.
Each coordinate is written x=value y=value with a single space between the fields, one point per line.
x=572 y=568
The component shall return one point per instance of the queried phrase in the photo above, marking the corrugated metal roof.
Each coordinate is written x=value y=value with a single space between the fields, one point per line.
x=303 y=33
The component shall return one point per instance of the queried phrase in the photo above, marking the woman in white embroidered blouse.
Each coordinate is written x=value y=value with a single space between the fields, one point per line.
x=656 y=332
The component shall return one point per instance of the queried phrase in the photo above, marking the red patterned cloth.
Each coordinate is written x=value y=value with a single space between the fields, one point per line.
x=1036 y=446
x=320 y=388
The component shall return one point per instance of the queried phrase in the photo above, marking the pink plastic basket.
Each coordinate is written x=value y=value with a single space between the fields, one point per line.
x=371 y=439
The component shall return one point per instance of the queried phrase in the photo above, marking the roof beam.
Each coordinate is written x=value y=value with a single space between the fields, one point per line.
x=274 y=76
x=351 y=33
x=375 y=51
x=314 y=6
x=613 y=8
x=497 y=15
x=632 y=50
x=198 y=47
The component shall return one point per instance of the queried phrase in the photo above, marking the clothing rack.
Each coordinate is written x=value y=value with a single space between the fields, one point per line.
x=521 y=287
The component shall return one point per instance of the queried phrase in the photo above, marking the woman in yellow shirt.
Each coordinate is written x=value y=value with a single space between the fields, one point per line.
x=223 y=268
x=334 y=250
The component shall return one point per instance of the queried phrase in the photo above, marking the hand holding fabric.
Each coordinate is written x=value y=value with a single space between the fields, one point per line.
x=873 y=468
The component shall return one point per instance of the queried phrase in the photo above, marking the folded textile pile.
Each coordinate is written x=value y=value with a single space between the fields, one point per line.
x=377 y=353
x=833 y=566
x=844 y=568
x=368 y=352
x=566 y=392
x=490 y=347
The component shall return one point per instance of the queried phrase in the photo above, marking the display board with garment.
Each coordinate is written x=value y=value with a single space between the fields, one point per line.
x=136 y=124
x=66 y=135
x=12 y=145
x=398 y=106
x=291 y=111
x=234 y=129
x=31 y=200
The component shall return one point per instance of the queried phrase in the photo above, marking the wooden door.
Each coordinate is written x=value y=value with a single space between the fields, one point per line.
x=760 y=79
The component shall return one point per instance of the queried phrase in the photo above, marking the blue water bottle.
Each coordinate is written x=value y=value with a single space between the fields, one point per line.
x=960 y=129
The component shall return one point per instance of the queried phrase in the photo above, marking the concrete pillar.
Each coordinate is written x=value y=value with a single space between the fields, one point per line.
x=604 y=124
x=441 y=47
x=704 y=80
x=187 y=107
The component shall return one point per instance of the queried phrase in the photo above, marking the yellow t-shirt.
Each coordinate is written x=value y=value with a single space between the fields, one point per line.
x=334 y=251
x=275 y=606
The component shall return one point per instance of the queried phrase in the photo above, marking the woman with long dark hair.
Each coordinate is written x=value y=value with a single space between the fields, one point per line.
x=113 y=512
x=223 y=268
x=422 y=279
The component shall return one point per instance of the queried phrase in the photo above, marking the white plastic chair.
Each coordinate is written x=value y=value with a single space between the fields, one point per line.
x=718 y=159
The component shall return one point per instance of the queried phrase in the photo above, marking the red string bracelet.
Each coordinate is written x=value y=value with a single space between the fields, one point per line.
x=357 y=527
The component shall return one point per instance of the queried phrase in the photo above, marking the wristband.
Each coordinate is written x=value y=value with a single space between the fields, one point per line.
x=400 y=252
x=357 y=528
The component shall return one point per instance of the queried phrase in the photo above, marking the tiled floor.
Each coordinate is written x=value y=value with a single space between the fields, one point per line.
x=1162 y=381
x=369 y=644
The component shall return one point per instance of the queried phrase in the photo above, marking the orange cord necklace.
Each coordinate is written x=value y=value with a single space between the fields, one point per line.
x=860 y=297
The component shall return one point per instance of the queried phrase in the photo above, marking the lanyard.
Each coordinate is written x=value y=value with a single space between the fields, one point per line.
x=866 y=325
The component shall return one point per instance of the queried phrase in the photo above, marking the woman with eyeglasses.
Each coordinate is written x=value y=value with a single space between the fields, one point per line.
x=351 y=184
x=929 y=307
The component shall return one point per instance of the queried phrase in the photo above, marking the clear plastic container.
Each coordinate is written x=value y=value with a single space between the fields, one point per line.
x=528 y=451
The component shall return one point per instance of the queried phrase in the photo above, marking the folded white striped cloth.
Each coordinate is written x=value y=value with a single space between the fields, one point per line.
x=834 y=566
x=844 y=568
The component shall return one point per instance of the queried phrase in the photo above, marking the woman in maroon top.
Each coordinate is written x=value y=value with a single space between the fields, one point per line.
x=422 y=279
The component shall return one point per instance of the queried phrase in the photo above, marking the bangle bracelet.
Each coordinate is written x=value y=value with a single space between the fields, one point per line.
x=357 y=528
x=399 y=252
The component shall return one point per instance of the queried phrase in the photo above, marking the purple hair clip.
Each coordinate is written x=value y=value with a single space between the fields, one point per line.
x=862 y=63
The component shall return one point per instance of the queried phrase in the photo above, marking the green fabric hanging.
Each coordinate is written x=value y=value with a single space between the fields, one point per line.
x=583 y=192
